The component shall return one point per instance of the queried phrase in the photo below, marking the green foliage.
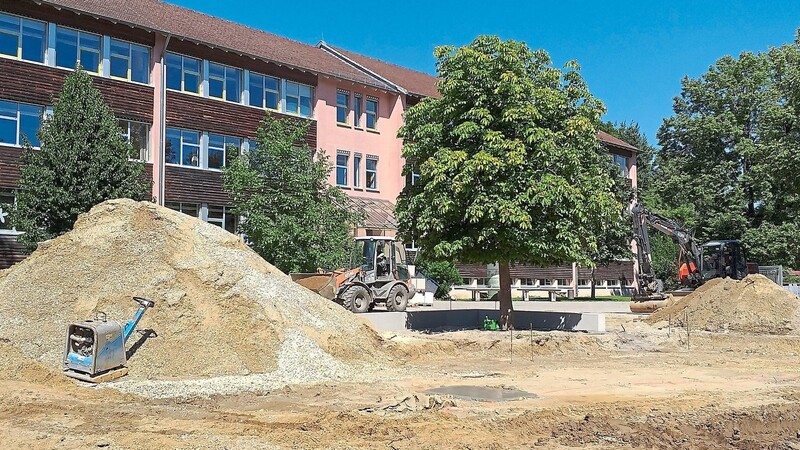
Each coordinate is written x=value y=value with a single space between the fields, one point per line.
x=292 y=217
x=645 y=158
x=731 y=154
x=83 y=161
x=665 y=259
x=510 y=167
x=443 y=273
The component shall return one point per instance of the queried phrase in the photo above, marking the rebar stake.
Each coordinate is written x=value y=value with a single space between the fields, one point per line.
x=531 y=341
x=511 y=333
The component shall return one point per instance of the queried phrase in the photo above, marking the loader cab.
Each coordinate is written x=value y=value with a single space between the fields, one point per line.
x=380 y=259
x=722 y=259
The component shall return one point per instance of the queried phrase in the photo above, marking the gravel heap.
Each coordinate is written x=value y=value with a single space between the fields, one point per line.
x=753 y=305
x=220 y=309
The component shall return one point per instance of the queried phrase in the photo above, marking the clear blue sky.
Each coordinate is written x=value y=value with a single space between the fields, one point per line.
x=633 y=53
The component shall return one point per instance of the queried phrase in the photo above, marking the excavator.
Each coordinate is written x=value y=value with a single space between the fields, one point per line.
x=378 y=273
x=697 y=263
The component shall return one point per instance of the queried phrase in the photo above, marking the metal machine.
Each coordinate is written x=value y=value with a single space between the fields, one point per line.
x=95 y=349
x=378 y=273
x=697 y=263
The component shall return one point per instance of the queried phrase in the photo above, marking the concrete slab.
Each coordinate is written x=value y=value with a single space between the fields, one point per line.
x=437 y=320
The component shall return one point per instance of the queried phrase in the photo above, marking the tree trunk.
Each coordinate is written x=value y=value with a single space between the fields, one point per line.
x=504 y=296
x=594 y=283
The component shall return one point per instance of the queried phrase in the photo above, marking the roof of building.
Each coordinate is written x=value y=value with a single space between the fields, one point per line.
x=379 y=214
x=183 y=23
x=414 y=82
x=615 y=142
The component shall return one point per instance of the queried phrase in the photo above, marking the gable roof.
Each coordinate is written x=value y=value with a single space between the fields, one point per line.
x=414 y=82
x=183 y=23
x=608 y=139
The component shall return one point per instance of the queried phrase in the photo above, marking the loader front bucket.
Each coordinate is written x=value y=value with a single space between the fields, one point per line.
x=323 y=284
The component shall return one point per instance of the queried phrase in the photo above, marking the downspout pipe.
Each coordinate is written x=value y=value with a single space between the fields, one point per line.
x=162 y=139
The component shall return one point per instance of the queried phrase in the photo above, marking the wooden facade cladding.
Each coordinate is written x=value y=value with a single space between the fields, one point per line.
x=184 y=184
x=11 y=251
x=9 y=166
x=217 y=116
x=471 y=270
x=555 y=272
x=38 y=84
x=622 y=270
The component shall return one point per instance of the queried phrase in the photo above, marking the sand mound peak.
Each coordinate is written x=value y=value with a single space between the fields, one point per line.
x=752 y=305
x=220 y=308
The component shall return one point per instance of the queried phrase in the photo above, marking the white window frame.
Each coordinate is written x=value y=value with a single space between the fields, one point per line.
x=220 y=222
x=264 y=91
x=358 y=109
x=180 y=150
x=199 y=73
x=374 y=171
x=18 y=120
x=368 y=114
x=622 y=162
x=12 y=230
x=129 y=58
x=80 y=48
x=224 y=148
x=346 y=106
x=344 y=166
x=144 y=153
x=613 y=283
x=224 y=80
x=180 y=206
x=299 y=97
x=21 y=33
x=357 y=158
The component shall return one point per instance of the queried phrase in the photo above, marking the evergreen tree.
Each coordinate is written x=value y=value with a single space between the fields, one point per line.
x=84 y=160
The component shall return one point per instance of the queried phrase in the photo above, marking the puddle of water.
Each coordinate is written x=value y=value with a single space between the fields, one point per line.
x=482 y=393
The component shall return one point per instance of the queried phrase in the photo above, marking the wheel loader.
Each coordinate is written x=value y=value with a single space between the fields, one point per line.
x=378 y=273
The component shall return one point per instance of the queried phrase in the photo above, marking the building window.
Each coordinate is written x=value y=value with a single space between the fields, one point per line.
x=130 y=61
x=138 y=134
x=357 y=110
x=7 y=200
x=19 y=122
x=341 y=169
x=264 y=91
x=22 y=38
x=372 y=173
x=357 y=170
x=564 y=282
x=527 y=282
x=298 y=99
x=342 y=106
x=622 y=162
x=583 y=282
x=218 y=149
x=77 y=47
x=612 y=283
x=545 y=282
x=224 y=82
x=183 y=73
x=190 y=209
x=372 y=113
x=222 y=217
x=183 y=147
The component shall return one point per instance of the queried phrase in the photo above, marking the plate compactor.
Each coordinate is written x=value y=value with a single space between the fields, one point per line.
x=95 y=349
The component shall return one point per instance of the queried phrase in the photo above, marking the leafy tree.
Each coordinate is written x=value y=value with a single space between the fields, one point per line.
x=292 y=217
x=444 y=273
x=84 y=160
x=731 y=153
x=645 y=158
x=510 y=168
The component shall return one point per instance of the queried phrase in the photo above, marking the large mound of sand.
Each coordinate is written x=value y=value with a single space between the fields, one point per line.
x=752 y=305
x=220 y=309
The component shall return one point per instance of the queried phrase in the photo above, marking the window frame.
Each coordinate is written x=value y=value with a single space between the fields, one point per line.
x=184 y=72
x=357 y=170
x=180 y=206
x=126 y=132
x=80 y=48
x=344 y=167
x=129 y=59
x=264 y=91
x=223 y=221
x=342 y=94
x=373 y=114
x=224 y=80
x=374 y=171
x=183 y=144
x=299 y=98
x=20 y=38
x=19 y=143
x=357 y=109
x=12 y=192
x=225 y=145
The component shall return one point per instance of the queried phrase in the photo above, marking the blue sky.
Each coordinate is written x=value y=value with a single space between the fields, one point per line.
x=633 y=53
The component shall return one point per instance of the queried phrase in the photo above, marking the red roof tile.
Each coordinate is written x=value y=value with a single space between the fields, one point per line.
x=198 y=27
x=417 y=83
x=613 y=141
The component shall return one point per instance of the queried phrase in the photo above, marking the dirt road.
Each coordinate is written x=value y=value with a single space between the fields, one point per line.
x=642 y=387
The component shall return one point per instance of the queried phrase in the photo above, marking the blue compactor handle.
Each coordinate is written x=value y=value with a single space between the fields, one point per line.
x=131 y=325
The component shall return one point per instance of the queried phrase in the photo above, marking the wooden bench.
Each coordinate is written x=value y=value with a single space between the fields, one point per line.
x=553 y=292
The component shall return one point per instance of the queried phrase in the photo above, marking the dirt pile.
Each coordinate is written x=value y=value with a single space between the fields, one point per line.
x=220 y=309
x=752 y=305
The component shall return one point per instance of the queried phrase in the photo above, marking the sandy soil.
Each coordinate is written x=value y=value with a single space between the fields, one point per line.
x=642 y=387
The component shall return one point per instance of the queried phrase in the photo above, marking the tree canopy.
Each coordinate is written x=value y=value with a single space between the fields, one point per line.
x=510 y=169
x=84 y=160
x=292 y=217
x=731 y=154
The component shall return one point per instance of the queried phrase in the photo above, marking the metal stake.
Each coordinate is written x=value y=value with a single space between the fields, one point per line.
x=511 y=333
x=531 y=341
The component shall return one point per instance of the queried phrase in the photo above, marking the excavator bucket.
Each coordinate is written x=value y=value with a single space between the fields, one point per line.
x=323 y=284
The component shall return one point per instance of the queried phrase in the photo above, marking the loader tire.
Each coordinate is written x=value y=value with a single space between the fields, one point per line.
x=356 y=299
x=397 y=299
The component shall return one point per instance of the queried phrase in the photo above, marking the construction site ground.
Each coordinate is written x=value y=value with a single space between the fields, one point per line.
x=636 y=386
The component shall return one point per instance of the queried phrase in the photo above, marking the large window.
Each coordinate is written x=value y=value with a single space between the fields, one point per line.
x=222 y=217
x=341 y=169
x=372 y=173
x=77 y=47
x=264 y=91
x=190 y=209
x=622 y=162
x=138 y=134
x=357 y=170
x=183 y=73
x=19 y=122
x=342 y=106
x=372 y=113
x=183 y=147
x=357 y=110
x=22 y=38
x=130 y=61
x=298 y=99
x=218 y=148
x=224 y=82
x=7 y=200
